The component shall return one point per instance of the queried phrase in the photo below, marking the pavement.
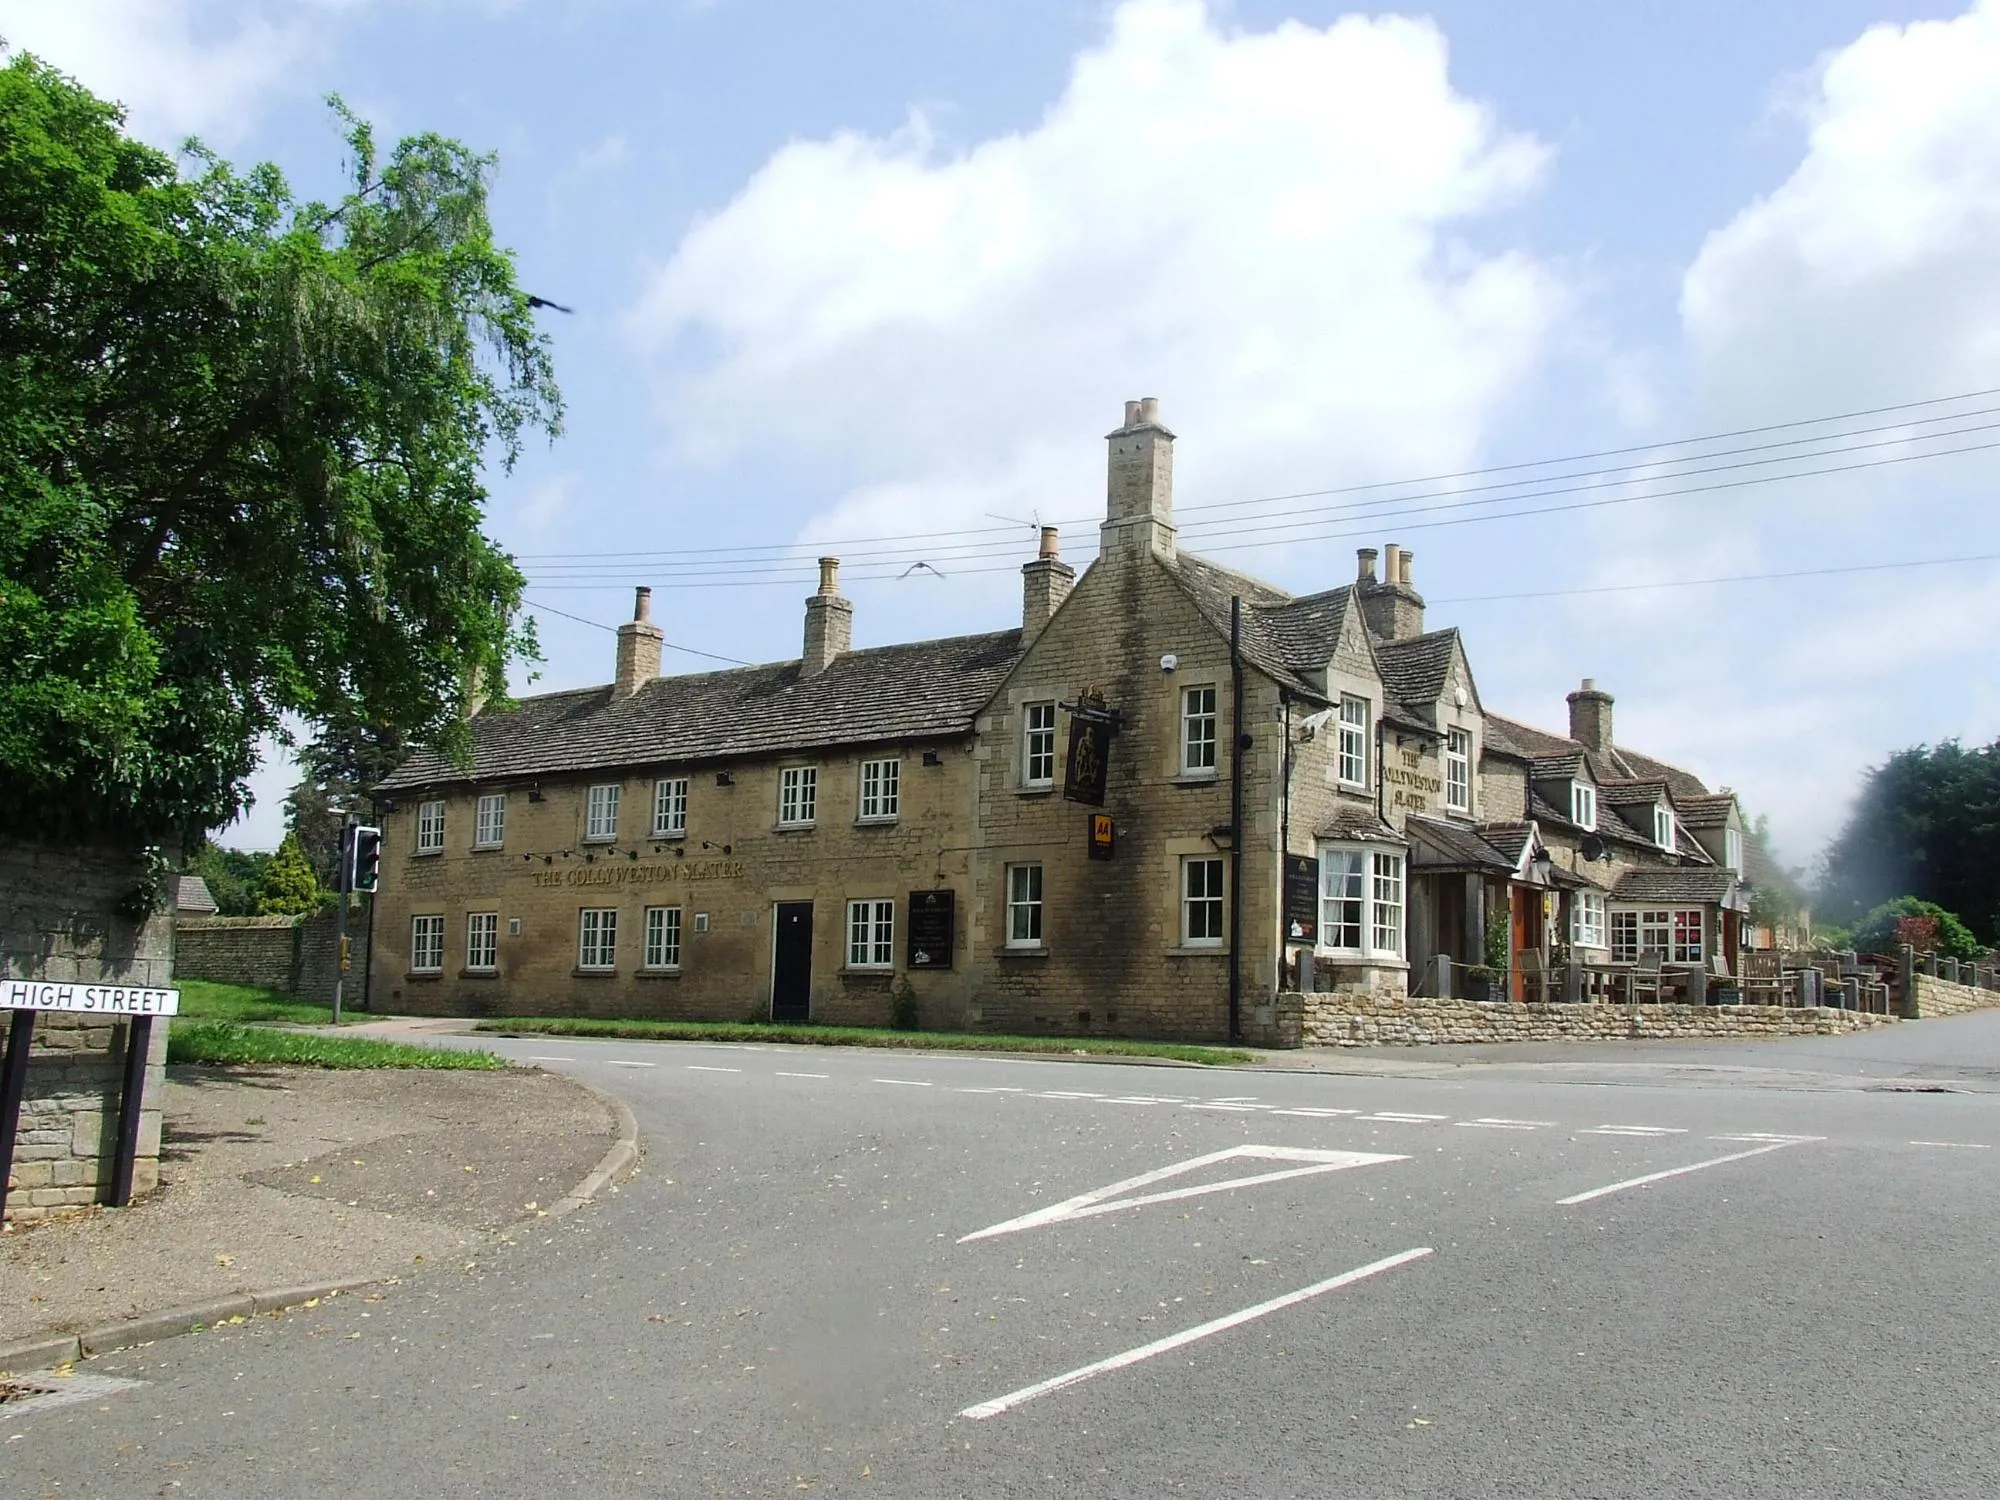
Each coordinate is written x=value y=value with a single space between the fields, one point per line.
x=300 y=1180
x=1761 y=1270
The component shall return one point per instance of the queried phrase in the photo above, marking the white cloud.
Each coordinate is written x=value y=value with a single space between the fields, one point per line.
x=1272 y=231
x=181 y=67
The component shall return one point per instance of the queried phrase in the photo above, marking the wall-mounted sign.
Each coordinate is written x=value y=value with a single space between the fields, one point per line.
x=933 y=925
x=1301 y=899
x=1103 y=836
x=96 y=999
x=608 y=873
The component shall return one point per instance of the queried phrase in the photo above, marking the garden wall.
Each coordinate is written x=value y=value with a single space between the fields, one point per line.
x=1373 y=1020
x=291 y=955
x=59 y=920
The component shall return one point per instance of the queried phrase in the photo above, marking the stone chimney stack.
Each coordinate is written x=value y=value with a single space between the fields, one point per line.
x=1139 y=509
x=1590 y=717
x=1393 y=608
x=639 y=642
x=829 y=621
x=1045 y=583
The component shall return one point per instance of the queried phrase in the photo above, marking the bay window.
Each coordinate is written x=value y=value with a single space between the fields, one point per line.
x=1361 y=901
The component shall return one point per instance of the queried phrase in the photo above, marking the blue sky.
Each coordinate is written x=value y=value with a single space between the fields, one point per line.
x=891 y=269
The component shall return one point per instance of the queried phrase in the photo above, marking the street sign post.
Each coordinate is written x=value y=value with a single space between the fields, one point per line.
x=24 y=999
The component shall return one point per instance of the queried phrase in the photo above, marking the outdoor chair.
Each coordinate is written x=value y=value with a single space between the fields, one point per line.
x=1762 y=981
x=1646 y=978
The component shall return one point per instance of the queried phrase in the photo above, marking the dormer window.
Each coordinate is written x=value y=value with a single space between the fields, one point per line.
x=1663 y=825
x=1583 y=805
x=1732 y=850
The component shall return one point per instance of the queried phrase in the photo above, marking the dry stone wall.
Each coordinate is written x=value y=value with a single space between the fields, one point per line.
x=291 y=955
x=1373 y=1020
x=1940 y=997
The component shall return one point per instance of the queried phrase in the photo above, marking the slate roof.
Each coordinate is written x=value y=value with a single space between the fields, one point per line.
x=1509 y=838
x=1280 y=649
x=1453 y=846
x=1518 y=741
x=1680 y=783
x=1683 y=883
x=1355 y=823
x=1415 y=668
x=191 y=894
x=1708 y=810
x=918 y=690
x=1632 y=793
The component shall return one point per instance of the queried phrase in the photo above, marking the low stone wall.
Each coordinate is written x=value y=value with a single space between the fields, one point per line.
x=1373 y=1020
x=291 y=955
x=1940 y=997
x=68 y=1141
x=60 y=920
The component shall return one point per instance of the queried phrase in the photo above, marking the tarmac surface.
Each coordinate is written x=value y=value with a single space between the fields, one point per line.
x=1630 y=1270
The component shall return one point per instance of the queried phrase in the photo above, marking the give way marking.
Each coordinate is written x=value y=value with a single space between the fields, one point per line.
x=1110 y=1199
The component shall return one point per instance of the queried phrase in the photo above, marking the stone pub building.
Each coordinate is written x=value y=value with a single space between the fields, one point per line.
x=1273 y=786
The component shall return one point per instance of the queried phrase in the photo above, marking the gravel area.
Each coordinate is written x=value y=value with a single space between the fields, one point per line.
x=275 y=1177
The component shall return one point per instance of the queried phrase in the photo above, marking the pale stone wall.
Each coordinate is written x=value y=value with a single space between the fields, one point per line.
x=729 y=869
x=290 y=955
x=1112 y=962
x=1940 y=997
x=59 y=921
x=1370 y=1020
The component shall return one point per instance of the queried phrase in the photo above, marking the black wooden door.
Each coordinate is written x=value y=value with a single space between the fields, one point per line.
x=791 y=965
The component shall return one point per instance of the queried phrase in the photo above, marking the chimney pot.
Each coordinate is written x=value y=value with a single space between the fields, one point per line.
x=829 y=576
x=642 y=603
x=1364 y=561
x=1149 y=408
x=1590 y=684
x=1131 y=414
x=1049 y=542
x=1403 y=577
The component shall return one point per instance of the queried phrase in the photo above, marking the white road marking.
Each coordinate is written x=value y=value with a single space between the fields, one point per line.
x=987 y=1091
x=619 y=1062
x=551 y=1059
x=1632 y=1182
x=908 y=1083
x=1233 y=1109
x=1633 y=1130
x=1106 y=1200
x=1405 y=1119
x=804 y=1075
x=1484 y=1124
x=1235 y=1099
x=1765 y=1135
x=696 y=1068
x=1150 y=1099
x=1955 y=1145
x=1316 y=1114
x=1188 y=1336
x=1068 y=1094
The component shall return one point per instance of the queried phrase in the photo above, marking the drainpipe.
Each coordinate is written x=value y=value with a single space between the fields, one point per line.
x=1284 y=831
x=1240 y=740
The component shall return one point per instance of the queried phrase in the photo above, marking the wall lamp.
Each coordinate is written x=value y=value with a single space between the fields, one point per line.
x=1223 y=836
x=932 y=758
x=723 y=778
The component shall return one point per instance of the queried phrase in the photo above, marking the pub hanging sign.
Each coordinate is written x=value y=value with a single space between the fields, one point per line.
x=1301 y=899
x=1087 y=769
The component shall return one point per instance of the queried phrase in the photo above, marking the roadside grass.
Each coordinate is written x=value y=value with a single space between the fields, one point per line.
x=206 y=1000
x=227 y=1043
x=858 y=1036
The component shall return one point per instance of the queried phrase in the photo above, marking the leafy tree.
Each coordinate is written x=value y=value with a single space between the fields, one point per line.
x=240 y=448
x=1878 y=932
x=233 y=876
x=289 y=887
x=336 y=769
x=1927 y=823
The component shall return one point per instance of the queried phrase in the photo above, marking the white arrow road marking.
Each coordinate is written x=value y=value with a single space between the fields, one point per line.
x=1188 y=1336
x=1108 y=1199
x=1714 y=1161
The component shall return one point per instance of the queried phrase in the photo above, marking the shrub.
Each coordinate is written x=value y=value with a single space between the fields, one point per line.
x=1878 y=931
x=903 y=1006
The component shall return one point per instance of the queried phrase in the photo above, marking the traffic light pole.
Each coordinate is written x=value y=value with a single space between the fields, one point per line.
x=342 y=882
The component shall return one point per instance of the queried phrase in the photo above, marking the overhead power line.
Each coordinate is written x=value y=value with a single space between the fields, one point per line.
x=550 y=609
x=904 y=545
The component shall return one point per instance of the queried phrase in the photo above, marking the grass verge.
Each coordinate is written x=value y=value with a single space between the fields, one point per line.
x=859 y=1036
x=225 y=1042
x=205 y=1000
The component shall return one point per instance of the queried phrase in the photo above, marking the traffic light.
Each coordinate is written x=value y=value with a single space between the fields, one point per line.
x=367 y=859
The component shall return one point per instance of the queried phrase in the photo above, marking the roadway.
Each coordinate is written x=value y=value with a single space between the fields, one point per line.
x=1741 y=1270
